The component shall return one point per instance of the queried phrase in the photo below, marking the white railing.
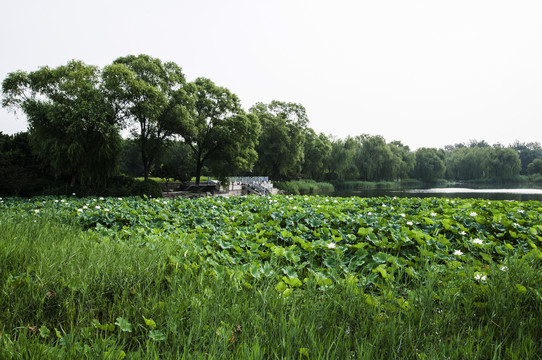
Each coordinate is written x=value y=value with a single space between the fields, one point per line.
x=259 y=184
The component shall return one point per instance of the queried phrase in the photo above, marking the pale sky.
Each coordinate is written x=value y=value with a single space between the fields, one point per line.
x=425 y=72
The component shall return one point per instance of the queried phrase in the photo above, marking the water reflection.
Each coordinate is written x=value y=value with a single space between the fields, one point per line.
x=463 y=193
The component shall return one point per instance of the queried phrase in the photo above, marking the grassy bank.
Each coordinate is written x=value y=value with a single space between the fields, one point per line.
x=305 y=187
x=134 y=278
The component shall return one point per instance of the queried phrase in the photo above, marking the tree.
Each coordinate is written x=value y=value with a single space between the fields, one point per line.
x=528 y=152
x=280 y=148
x=374 y=159
x=130 y=158
x=468 y=163
x=535 y=167
x=218 y=131
x=317 y=149
x=150 y=97
x=404 y=160
x=341 y=162
x=20 y=170
x=504 y=163
x=429 y=165
x=176 y=162
x=72 y=126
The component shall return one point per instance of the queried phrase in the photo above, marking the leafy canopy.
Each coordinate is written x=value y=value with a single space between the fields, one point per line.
x=72 y=126
x=218 y=131
x=150 y=98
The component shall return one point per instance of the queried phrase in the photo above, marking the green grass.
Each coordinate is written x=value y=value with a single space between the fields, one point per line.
x=74 y=293
x=305 y=187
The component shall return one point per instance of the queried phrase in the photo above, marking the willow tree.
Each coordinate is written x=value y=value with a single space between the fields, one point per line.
x=280 y=149
x=149 y=96
x=72 y=126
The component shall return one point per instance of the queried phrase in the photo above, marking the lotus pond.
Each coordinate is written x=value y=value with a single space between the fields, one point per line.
x=410 y=267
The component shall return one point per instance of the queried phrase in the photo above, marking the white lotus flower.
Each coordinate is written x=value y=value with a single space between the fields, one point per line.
x=480 y=277
x=331 y=245
x=473 y=214
x=458 y=253
x=478 y=241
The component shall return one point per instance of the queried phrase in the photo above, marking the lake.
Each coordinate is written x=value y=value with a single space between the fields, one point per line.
x=518 y=194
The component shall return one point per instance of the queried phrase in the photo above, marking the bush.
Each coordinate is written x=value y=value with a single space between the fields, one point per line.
x=147 y=187
x=120 y=185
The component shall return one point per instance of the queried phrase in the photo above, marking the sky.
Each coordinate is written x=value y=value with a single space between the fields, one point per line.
x=425 y=72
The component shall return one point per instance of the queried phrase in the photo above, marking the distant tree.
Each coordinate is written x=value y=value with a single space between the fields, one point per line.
x=218 y=131
x=468 y=163
x=429 y=165
x=503 y=163
x=475 y=143
x=404 y=160
x=341 y=161
x=535 y=167
x=150 y=97
x=280 y=148
x=72 y=126
x=374 y=159
x=527 y=152
x=316 y=148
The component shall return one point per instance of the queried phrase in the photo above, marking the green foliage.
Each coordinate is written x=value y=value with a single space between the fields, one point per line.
x=75 y=113
x=528 y=152
x=479 y=162
x=150 y=97
x=302 y=187
x=20 y=171
x=277 y=277
x=535 y=167
x=429 y=165
x=146 y=187
x=316 y=151
x=341 y=162
x=73 y=127
x=218 y=131
x=280 y=145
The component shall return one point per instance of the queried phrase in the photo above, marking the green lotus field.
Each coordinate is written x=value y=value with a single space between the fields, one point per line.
x=283 y=277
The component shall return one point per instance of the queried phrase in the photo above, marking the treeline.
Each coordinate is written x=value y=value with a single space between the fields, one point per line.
x=178 y=130
x=364 y=158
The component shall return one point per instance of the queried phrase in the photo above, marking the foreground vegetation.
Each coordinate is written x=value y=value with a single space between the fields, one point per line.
x=277 y=277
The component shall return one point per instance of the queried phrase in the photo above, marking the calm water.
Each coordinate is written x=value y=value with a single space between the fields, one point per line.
x=451 y=192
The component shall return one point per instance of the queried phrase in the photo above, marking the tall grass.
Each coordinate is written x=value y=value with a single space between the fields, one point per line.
x=306 y=187
x=67 y=293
